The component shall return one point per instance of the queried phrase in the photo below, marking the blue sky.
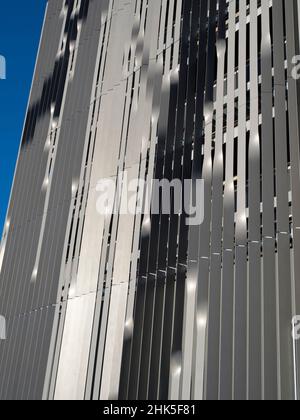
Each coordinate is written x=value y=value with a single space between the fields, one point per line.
x=20 y=26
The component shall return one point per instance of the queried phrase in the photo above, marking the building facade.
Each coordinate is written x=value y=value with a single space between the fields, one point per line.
x=132 y=306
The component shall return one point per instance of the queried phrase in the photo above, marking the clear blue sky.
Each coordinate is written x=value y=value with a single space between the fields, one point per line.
x=20 y=26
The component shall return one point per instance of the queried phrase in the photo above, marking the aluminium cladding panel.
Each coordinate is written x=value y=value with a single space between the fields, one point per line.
x=77 y=108
x=227 y=300
x=116 y=285
x=193 y=163
x=142 y=229
x=140 y=126
x=254 y=234
x=284 y=310
x=24 y=219
x=150 y=308
x=42 y=292
x=207 y=383
x=27 y=201
x=240 y=280
x=69 y=151
x=131 y=80
x=83 y=82
x=270 y=373
x=83 y=296
x=292 y=35
x=145 y=113
x=151 y=280
x=213 y=336
x=155 y=280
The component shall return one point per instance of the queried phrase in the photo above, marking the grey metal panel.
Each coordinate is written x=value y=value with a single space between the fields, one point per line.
x=213 y=334
x=285 y=345
x=26 y=184
x=240 y=286
x=37 y=290
x=204 y=248
x=293 y=108
x=148 y=307
x=226 y=342
x=196 y=64
x=87 y=52
x=16 y=331
x=270 y=330
x=138 y=331
x=20 y=209
x=153 y=296
x=227 y=291
x=269 y=326
x=213 y=338
x=255 y=320
x=285 y=316
x=254 y=236
x=240 y=324
x=53 y=214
